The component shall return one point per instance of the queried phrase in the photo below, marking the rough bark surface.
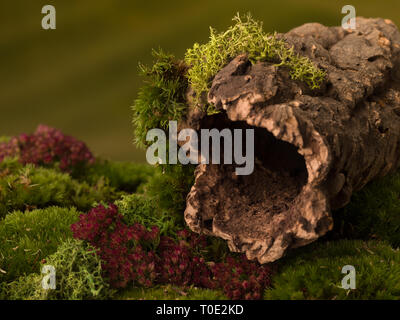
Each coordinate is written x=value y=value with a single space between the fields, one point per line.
x=313 y=148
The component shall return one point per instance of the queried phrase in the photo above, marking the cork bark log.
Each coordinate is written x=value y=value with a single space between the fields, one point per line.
x=313 y=148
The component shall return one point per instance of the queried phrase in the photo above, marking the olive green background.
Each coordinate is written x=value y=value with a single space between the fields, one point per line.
x=82 y=77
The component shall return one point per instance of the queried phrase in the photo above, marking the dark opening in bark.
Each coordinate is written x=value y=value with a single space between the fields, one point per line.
x=279 y=174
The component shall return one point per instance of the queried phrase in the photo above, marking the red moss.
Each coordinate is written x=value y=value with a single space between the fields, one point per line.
x=138 y=256
x=45 y=146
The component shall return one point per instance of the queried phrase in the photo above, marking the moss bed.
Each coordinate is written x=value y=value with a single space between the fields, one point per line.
x=115 y=230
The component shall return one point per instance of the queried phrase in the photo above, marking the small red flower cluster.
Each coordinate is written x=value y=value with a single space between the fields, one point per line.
x=180 y=264
x=133 y=254
x=241 y=279
x=123 y=249
x=47 y=145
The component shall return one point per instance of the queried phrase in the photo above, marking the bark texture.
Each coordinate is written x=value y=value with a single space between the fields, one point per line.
x=313 y=148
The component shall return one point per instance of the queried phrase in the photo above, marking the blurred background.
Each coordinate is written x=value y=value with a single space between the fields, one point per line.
x=83 y=76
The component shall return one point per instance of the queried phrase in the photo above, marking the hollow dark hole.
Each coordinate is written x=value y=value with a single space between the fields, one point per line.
x=274 y=154
x=373 y=58
x=279 y=174
x=207 y=223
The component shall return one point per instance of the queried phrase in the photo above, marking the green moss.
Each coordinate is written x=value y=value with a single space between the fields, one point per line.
x=169 y=187
x=217 y=250
x=373 y=213
x=28 y=237
x=78 y=276
x=138 y=208
x=4 y=139
x=314 y=272
x=22 y=288
x=32 y=187
x=169 y=292
x=246 y=36
x=122 y=176
x=9 y=165
x=163 y=201
x=162 y=98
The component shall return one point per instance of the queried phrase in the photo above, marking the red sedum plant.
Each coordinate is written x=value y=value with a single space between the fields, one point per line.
x=45 y=146
x=123 y=249
x=180 y=264
x=139 y=256
x=241 y=278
